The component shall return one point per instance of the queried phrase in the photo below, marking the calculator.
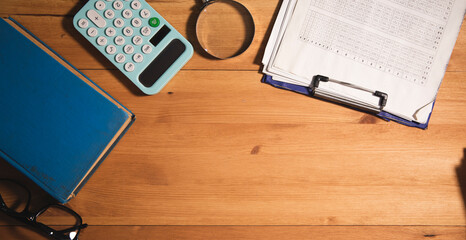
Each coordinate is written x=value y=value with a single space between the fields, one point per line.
x=136 y=39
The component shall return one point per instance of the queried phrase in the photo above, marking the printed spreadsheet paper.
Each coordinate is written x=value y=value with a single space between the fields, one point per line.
x=400 y=47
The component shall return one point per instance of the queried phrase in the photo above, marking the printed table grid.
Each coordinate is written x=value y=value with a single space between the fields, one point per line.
x=372 y=49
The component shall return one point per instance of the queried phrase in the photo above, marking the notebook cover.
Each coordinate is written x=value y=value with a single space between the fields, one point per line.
x=306 y=91
x=56 y=125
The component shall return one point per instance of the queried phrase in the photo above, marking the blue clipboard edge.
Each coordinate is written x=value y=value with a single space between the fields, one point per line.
x=110 y=148
x=306 y=91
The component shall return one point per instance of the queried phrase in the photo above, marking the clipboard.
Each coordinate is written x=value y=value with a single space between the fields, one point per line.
x=324 y=52
x=309 y=91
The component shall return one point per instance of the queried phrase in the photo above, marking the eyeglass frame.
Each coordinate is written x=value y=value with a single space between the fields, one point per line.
x=30 y=218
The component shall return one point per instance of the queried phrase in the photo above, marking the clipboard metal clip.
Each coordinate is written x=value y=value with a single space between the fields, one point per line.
x=314 y=87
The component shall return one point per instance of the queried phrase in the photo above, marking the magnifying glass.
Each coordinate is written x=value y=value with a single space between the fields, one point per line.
x=224 y=28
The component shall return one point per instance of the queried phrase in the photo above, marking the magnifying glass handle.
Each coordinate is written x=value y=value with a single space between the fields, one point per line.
x=206 y=2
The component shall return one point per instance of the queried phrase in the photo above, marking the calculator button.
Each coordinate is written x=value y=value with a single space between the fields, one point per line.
x=145 y=31
x=129 y=67
x=146 y=49
x=145 y=13
x=127 y=31
x=154 y=22
x=96 y=18
x=119 y=58
x=127 y=13
x=92 y=32
x=137 y=40
x=118 y=5
x=138 y=57
x=100 y=5
x=135 y=5
x=119 y=22
x=110 y=49
x=119 y=40
x=102 y=41
x=109 y=13
x=110 y=32
x=129 y=49
x=136 y=22
x=83 y=23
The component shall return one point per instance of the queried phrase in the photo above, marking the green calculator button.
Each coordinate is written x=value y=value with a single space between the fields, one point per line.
x=154 y=22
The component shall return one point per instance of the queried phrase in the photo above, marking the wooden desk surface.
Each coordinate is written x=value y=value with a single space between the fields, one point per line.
x=219 y=155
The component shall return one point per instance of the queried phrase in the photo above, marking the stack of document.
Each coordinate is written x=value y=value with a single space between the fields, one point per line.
x=387 y=57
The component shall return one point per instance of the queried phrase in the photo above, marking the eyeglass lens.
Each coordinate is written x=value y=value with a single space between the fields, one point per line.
x=15 y=196
x=58 y=218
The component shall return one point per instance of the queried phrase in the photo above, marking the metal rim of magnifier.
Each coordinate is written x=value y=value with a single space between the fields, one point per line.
x=245 y=46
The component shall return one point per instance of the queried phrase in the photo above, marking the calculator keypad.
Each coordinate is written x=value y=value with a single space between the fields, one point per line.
x=123 y=30
x=83 y=23
x=109 y=14
x=110 y=49
x=110 y=32
x=100 y=5
x=146 y=49
x=118 y=5
x=92 y=32
x=95 y=17
x=122 y=24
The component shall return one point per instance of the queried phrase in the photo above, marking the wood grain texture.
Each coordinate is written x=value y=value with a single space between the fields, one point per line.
x=255 y=232
x=217 y=147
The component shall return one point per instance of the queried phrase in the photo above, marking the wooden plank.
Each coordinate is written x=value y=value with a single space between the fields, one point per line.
x=240 y=97
x=41 y=7
x=174 y=179
x=64 y=39
x=247 y=156
x=188 y=174
x=205 y=156
x=255 y=232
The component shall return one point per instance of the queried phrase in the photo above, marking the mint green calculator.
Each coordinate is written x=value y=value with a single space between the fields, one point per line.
x=136 y=39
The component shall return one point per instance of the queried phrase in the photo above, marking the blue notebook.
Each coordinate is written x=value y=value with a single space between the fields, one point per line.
x=56 y=125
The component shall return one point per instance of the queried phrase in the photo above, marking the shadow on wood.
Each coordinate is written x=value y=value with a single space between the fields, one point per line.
x=261 y=52
x=39 y=197
x=461 y=174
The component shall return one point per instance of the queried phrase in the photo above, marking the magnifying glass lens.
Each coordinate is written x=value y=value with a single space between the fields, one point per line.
x=225 y=28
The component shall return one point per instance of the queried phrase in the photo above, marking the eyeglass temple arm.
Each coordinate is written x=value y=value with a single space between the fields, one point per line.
x=24 y=217
x=74 y=228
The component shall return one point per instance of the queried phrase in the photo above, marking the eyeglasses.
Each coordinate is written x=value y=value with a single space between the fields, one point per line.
x=16 y=203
